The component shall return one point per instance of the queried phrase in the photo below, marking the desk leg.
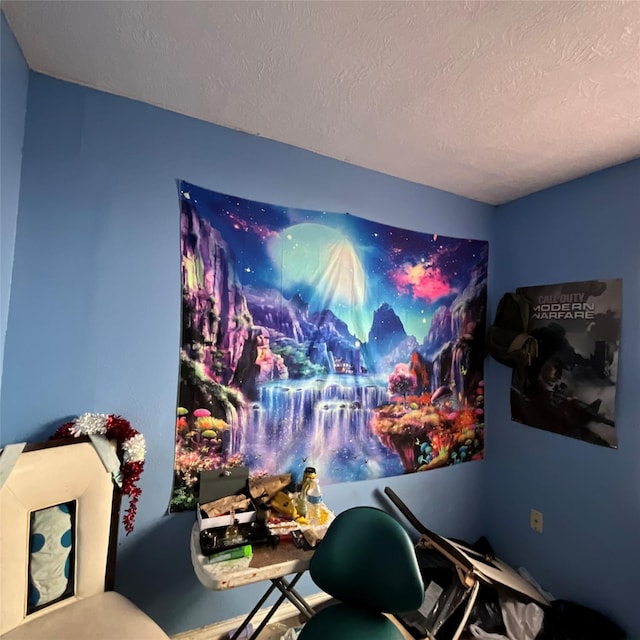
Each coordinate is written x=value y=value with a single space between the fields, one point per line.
x=253 y=612
x=294 y=597
x=286 y=590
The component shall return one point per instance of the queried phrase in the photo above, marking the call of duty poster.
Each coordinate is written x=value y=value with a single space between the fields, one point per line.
x=570 y=387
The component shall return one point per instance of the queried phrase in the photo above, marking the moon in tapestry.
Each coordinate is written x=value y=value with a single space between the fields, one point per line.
x=324 y=339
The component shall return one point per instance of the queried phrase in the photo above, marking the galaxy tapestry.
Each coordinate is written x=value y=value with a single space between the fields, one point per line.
x=570 y=388
x=324 y=339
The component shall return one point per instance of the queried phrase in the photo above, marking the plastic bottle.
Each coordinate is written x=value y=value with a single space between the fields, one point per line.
x=308 y=472
x=301 y=496
x=314 y=500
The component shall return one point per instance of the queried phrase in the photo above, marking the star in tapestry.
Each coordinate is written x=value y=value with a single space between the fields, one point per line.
x=324 y=339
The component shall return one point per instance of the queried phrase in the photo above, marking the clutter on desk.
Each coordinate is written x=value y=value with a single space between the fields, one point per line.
x=313 y=535
x=235 y=511
x=283 y=503
x=225 y=505
x=232 y=533
x=244 y=551
x=264 y=488
x=282 y=526
x=317 y=513
x=227 y=515
x=300 y=517
x=301 y=499
x=220 y=491
x=254 y=533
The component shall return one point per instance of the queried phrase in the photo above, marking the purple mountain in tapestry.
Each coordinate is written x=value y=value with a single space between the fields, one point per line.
x=313 y=338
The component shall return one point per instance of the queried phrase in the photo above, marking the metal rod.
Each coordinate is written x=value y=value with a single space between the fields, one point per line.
x=274 y=608
x=294 y=597
x=253 y=612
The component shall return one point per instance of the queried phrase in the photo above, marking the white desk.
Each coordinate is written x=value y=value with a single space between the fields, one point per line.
x=265 y=564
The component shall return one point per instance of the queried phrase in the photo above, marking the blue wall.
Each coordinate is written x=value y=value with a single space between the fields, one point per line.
x=93 y=325
x=589 y=495
x=95 y=302
x=14 y=79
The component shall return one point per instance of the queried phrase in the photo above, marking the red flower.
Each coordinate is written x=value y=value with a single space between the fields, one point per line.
x=131 y=454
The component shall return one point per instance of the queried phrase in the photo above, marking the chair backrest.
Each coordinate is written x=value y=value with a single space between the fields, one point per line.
x=66 y=472
x=367 y=559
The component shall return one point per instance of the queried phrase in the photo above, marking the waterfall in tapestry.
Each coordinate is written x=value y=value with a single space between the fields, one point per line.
x=324 y=339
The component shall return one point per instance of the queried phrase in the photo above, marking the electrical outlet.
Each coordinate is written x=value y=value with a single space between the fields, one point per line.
x=535 y=520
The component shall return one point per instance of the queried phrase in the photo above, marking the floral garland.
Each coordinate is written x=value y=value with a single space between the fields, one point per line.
x=131 y=446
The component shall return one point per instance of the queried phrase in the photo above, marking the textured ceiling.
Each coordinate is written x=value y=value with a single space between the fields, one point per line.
x=489 y=100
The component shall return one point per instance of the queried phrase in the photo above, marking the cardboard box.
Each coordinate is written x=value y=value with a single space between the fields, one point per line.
x=219 y=483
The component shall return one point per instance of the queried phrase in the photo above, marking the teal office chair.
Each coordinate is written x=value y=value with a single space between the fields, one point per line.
x=367 y=562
